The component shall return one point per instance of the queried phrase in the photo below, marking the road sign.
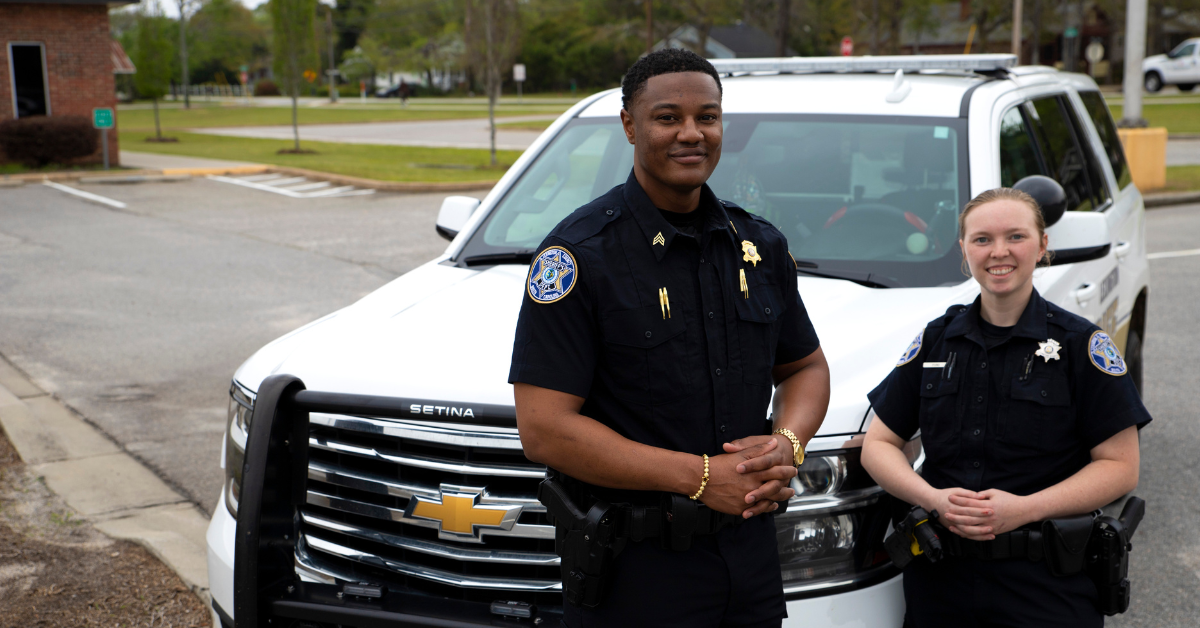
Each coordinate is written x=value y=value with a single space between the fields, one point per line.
x=1094 y=52
x=847 y=46
x=519 y=72
x=102 y=118
x=1071 y=32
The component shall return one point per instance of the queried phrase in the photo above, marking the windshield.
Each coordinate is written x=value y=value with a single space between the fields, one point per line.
x=852 y=194
x=1183 y=50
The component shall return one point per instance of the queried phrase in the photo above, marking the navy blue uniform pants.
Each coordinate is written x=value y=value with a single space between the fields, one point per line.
x=724 y=580
x=969 y=593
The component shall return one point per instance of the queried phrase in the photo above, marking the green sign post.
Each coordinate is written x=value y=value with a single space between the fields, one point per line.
x=102 y=118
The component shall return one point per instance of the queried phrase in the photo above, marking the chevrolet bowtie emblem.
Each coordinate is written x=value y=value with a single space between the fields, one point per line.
x=460 y=516
x=658 y=239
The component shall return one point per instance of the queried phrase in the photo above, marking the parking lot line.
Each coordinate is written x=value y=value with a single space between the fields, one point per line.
x=1187 y=253
x=95 y=198
x=293 y=187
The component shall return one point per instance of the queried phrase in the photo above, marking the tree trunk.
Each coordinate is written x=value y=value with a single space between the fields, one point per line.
x=157 y=127
x=295 y=122
x=702 y=37
x=1035 y=38
x=785 y=15
x=874 y=27
x=491 y=74
x=183 y=57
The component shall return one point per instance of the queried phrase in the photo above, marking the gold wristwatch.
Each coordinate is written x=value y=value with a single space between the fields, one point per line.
x=797 y=448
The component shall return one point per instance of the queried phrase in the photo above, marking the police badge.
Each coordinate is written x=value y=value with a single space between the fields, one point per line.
x=751 y=253
x=1104 y=354
x=552 y=275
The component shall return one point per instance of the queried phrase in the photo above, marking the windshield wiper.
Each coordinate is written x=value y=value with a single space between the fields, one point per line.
x=870 y=280
x=512 y=257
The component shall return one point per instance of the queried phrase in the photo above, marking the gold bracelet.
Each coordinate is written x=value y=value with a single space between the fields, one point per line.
x=703 y=480
x=797 y=448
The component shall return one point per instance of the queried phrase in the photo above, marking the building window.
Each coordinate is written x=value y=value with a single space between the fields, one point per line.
x=27 y=67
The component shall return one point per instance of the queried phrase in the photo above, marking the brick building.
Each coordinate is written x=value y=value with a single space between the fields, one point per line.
x=58 y=59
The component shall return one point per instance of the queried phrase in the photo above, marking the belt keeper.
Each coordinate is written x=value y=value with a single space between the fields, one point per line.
x=637 y=524
x=1036 y=547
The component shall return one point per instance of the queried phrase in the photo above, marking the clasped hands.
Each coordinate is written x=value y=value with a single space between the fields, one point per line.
x=751 y=476
x=980 y=516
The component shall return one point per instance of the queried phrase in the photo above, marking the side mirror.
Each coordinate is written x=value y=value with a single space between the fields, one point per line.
x=454 y=214
x=1079 y=237
x=1049 y=195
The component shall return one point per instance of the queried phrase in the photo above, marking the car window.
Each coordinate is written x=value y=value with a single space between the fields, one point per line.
x=1184 y=50
x=1058 y=134
x=1018 y=153
x=862 y=194
x=1098 y=110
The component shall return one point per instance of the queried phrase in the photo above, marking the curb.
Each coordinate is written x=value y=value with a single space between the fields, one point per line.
x=1168 y=199
x=175 y=174
x=104 y=484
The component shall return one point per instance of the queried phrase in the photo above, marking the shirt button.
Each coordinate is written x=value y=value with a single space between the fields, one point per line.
x=1049 y=314
x=609 y=212
x=648 y=334
x=722 y=427
x=979 y=399
x=983 y=365
x=718 y=371
x=975 y=464
x=710 y=314
x=768 y=310
x=977 y=432
x=928 y=386
x=701 y=260
x=1043 y=393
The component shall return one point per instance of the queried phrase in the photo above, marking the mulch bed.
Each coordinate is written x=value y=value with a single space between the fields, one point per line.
x=56 y=570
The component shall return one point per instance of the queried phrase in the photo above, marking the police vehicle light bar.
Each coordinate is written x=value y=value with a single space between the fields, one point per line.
x=908 y=63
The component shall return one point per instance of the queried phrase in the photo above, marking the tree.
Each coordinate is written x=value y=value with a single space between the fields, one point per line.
x=152 y=58
x=294 y=49
x=184 y=6
x=501 y=31
x=225 y=36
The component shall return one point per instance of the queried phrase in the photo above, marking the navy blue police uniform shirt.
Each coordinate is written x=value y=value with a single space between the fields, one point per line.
x=651 y=325
x=1016 y=409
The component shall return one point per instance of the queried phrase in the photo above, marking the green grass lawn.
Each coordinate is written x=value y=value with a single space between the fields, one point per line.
x=1181 y=118
x=219 y=116
x=384 y=163
x=1182 y=179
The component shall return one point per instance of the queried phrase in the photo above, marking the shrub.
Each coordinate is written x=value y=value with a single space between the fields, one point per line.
x=266 y=87
x=39 y=140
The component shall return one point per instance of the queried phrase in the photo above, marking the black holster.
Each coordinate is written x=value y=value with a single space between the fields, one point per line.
x=1108 y=556
x=1065 y=543
x=585 y=541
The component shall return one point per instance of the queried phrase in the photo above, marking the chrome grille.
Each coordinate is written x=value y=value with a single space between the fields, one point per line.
x=365 y=477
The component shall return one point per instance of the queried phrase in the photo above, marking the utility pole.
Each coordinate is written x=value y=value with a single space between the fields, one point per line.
x=492 y=83
x=1135 y=50
x=649 y=25
x=333 y=94
x=183 y=60
x=1016 y=29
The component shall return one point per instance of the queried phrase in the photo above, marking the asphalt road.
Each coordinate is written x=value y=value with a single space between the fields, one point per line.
x=137 y=318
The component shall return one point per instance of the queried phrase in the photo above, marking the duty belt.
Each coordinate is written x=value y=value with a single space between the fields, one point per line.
x=1025 y=544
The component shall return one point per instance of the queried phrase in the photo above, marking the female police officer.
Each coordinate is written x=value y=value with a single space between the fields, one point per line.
x=1026 y=414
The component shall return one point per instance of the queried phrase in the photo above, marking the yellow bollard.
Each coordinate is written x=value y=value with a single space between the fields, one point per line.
x=1146 y=151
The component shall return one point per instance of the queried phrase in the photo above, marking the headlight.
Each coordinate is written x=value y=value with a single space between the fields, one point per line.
x=831 y=536
x=241 y=409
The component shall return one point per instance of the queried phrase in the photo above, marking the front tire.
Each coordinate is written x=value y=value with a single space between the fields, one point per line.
x=1186 y=87
x=1153 y=82
x=1133 y=358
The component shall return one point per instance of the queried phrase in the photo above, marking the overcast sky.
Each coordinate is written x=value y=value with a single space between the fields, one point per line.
x=170 y=8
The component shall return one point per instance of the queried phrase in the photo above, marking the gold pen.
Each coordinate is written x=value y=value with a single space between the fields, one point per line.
x=745 y=288
x=664 y=303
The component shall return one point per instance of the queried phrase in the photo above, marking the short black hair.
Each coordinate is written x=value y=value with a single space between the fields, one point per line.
x=665 y=61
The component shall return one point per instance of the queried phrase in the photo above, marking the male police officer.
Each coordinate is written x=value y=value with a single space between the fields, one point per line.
x=655 y=321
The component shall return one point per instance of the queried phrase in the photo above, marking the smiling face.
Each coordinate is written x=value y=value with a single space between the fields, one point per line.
x=1002 y=246
x=675 y=127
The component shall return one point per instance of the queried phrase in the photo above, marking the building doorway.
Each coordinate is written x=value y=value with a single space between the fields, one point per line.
x=27 y=67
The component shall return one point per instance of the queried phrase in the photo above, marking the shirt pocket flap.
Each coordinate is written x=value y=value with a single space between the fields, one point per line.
x=762 y=306
x=1042 y=391
x=933 y=384
x=642 y=327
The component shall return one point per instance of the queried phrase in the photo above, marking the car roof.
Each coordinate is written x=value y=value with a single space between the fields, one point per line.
x=929 y=93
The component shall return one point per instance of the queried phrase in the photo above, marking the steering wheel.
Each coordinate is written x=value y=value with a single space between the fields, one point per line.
x=877 y=227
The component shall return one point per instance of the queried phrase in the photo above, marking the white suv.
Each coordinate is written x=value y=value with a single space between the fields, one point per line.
x=863 y=163
x=1180 y=67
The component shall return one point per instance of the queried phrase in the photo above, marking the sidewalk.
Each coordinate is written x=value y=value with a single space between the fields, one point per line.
x=470 y=133
x=153 y=161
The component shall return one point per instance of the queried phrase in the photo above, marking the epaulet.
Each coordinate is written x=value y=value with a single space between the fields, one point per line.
x=736 y=211
x=1068 y=320
x=586 y=222
x=952 y=312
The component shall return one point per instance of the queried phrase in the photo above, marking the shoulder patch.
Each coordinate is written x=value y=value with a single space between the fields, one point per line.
x=552 y=275
x=1104 y=354
x=913 y=349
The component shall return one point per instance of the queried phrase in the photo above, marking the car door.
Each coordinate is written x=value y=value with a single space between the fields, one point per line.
x=1064 y=152
x=1180 y=66
x=1126 y=217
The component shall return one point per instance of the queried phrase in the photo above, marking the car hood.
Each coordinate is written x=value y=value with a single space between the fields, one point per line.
x=441 y=333
x=1153 y=60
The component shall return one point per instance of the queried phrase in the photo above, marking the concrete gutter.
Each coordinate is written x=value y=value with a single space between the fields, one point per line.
x=106 y=485
x=1167 y=199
